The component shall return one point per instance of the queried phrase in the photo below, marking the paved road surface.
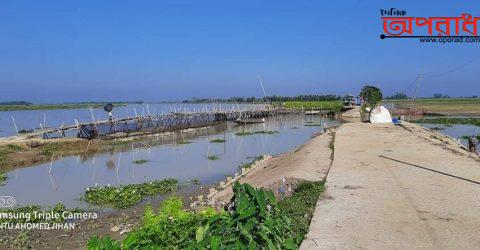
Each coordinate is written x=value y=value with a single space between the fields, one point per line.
x=390 y=188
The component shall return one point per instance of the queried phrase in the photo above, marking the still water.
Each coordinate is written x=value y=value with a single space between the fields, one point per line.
x=65 y=180
x=455 y=131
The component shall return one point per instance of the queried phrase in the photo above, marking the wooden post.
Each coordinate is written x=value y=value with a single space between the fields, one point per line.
x=15 y=124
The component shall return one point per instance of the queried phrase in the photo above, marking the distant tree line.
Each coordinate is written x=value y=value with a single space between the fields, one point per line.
x=401 y=95
x=16 y=103
x=273 y=98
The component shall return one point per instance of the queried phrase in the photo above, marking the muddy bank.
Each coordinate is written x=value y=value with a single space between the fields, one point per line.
x=22 y=152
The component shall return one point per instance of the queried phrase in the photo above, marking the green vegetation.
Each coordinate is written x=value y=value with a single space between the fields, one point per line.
x=127 y=195
x=260 y=132
x=14 y=147
x=372 y=95
x=300 y=207
x=25 y=131
x=452 y=120
x=105 y=243
x=253 y=160
x=49 y=149
x=218 y=140
x=8 y=149
x=3 y=178
x=184 y=142
x=334 y=106
x=213 y=157
x=29 y=106
x=256 y=221
x=140 y=161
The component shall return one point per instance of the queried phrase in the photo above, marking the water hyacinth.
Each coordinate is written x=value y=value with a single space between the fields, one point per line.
x=128 y=195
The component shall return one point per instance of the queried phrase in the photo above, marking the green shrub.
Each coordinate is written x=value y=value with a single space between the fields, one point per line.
x=254 y=221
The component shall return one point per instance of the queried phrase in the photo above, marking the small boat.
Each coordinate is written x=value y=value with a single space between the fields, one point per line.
x=249 y=121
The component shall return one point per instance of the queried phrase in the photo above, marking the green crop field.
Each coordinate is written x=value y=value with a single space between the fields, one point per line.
x=325 y=105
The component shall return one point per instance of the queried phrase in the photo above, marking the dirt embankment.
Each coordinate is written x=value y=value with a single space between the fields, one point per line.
x=310 y=161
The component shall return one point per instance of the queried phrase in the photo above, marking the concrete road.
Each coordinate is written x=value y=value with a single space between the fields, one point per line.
x=396 y=188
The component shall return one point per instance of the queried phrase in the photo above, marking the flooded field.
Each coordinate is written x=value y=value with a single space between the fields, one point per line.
x=181 y=155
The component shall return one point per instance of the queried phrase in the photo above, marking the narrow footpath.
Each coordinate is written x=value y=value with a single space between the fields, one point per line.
x=400 y=187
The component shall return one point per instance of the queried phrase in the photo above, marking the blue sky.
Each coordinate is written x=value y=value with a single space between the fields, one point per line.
x=57 y=51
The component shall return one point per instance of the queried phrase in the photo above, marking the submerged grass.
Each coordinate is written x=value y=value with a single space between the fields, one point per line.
x=140 y=161
x=253 y=160
x=260 y=132
x=218 y=140
x=466 y=137
x=184 y=142
x=213 y=157
x=128 y=195
x=3 y=178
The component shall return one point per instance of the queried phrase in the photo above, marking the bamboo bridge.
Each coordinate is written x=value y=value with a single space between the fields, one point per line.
x=148 y=124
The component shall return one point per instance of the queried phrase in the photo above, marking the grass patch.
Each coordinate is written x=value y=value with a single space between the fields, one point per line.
x=255 y=221
x=8 y=149
x=128 y=195
x=300 y=206
x=452 y=121
x=213 y=157
x=49 y=149
x=184 y=142
x=140 y=161
x=217 y=140
x=14 y=147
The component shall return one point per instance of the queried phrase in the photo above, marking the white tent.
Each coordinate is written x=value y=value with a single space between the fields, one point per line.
x=380 y=114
